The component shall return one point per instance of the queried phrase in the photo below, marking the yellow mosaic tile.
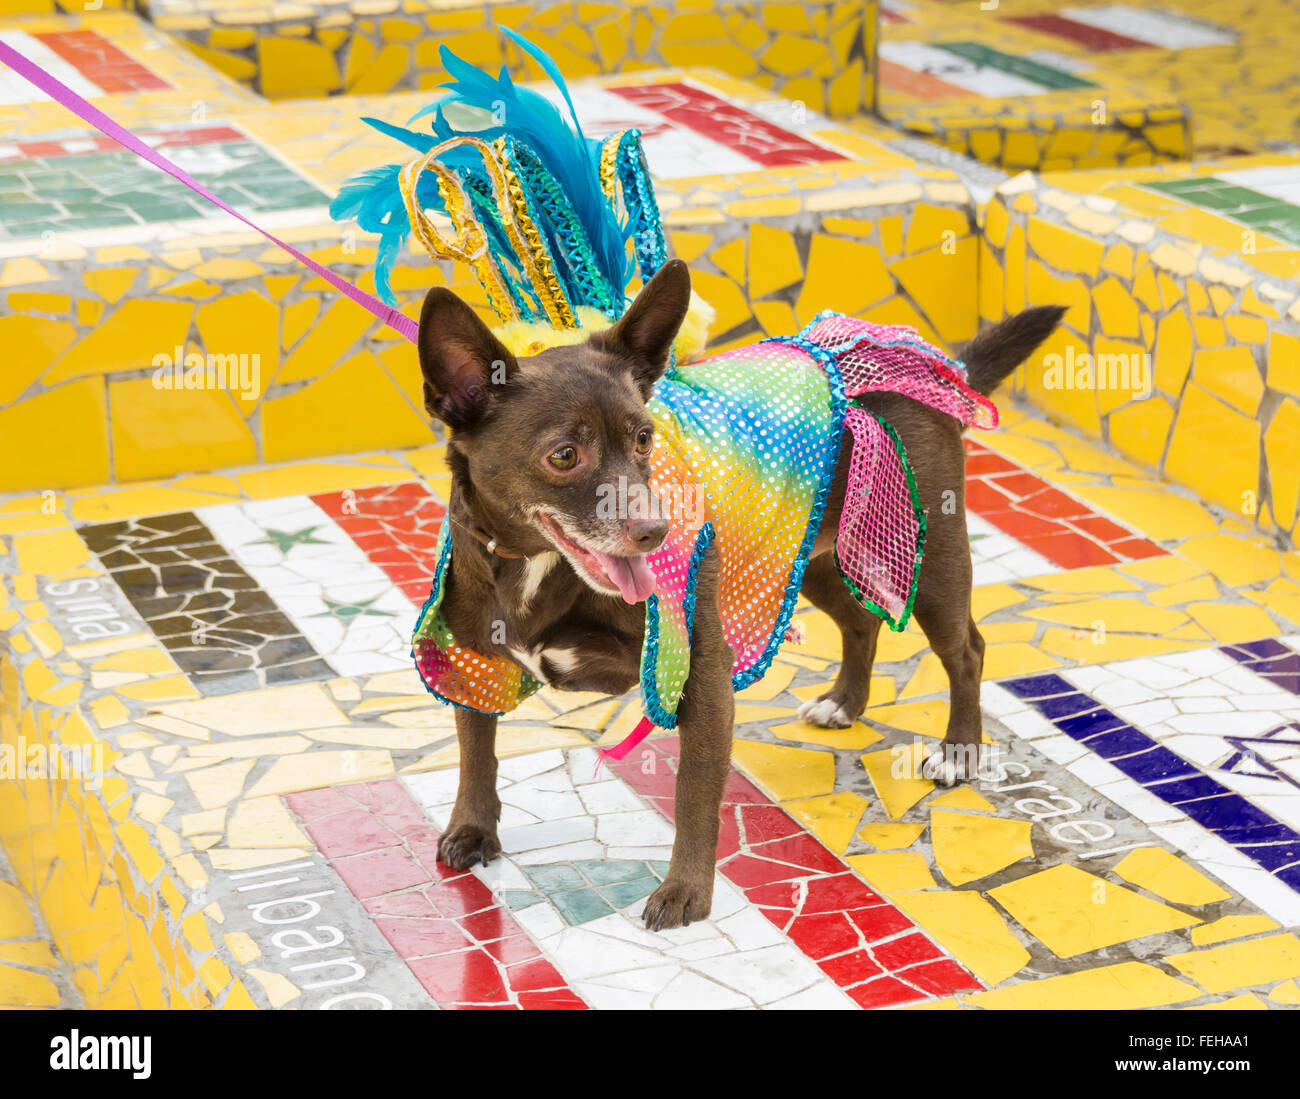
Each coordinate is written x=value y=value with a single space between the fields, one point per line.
x=832 y=818
x=1074 y=912
x=968 y=847
x=786 y=773
x=891 y=774
x=969 y=928
x=963 y=798
x=1239 y=965
x=1123 y=987
x=891 y=837
x=1288 y=992
x=1166 y=875
x=22 y=988
x=1231 y=927
x=893 y=871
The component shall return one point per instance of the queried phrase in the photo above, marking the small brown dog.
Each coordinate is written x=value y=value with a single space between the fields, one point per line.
x=532 y=440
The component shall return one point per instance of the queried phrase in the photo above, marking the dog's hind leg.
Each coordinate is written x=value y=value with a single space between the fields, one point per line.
x=471 y=835
x=706 y=713
x=841 y=706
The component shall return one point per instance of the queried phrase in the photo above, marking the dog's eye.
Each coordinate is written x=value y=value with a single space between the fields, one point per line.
x=563 y=459
x=644 y=439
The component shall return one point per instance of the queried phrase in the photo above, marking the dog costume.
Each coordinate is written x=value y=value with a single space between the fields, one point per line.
x=746 y=441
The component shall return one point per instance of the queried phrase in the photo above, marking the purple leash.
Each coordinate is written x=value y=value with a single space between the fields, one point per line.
x=66 y=97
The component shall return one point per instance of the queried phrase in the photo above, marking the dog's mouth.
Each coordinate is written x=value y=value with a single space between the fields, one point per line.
x=629 y=576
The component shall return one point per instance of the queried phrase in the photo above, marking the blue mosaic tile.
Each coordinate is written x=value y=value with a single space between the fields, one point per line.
x=1115 y=743
x=1154 y=764
x=621 y=894
x=1066 y=705
x=1187 y=788
x=1037 y=686
x=580 y=906
x=588 y=889
x=520 y=898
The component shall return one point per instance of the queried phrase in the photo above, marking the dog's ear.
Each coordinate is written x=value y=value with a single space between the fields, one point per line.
x=460 y=358
x=644 y=334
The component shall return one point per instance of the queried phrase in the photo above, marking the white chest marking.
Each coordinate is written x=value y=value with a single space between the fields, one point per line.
x=535 y=571
x=562 y=660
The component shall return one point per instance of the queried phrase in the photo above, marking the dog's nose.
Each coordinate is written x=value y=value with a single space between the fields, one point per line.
x=645 y=534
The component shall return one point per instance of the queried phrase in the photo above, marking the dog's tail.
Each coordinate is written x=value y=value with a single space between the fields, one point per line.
x=997 y=351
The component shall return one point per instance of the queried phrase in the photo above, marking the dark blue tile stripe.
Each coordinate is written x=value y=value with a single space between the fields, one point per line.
x=1271 y=660
x=1266 y=842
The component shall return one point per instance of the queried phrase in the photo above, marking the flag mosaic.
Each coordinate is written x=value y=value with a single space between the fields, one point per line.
x=84 y=60
x=83 y=182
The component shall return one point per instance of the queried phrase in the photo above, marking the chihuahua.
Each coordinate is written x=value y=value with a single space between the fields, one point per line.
x=551 y=581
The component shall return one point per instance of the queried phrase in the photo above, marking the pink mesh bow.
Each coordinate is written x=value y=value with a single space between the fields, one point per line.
x=893 y=358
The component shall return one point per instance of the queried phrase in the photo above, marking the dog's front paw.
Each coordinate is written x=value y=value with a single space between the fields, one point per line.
x=467 y=845
x=676 y=904
x=826 y=713
x=950 y=764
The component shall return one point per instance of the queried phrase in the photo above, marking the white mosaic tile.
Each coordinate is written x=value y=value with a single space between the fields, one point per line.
x=16 y=89
x=997 y=557
x=1164 y=29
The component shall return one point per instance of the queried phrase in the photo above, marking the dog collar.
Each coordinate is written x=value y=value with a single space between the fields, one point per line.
x=487 y=541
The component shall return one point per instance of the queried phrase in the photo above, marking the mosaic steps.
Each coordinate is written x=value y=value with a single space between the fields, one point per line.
x=1184 y=278
x=196 y=777
x=798 y=200
x=1233 y=67
x=814 y=51
x=981 y=84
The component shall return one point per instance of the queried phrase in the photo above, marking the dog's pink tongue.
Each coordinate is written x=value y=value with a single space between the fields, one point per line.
x=631 y=574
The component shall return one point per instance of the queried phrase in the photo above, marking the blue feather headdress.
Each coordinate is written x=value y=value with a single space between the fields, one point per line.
x=550 y=219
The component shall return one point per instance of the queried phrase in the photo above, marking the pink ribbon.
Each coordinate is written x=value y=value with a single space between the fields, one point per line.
x=643 y=729
x=66 y=97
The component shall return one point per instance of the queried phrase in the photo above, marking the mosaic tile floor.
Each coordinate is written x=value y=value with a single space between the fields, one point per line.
x=234 y=645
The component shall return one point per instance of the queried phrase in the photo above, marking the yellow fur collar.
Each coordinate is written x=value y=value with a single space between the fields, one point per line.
x=531 y=337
